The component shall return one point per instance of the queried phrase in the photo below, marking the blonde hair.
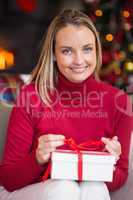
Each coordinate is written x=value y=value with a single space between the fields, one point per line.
x=45 y=74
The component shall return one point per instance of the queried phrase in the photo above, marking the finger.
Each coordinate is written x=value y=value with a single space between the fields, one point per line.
x=108 y=140
x=115 y=138
x=46 y=151
x=105 y=140
x=53 y=144
x=43 y=156
x=52 y=137
x=47 y=145
x=114 y=146
x=114 y=143
x=110 y=150
x=110 y=145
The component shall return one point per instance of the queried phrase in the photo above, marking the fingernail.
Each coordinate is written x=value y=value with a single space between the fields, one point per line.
x=115 y=138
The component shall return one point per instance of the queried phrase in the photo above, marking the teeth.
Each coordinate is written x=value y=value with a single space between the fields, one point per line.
x=79 y=70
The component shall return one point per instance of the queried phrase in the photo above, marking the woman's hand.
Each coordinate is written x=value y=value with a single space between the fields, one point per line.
x=47 y=144
x=113 y=146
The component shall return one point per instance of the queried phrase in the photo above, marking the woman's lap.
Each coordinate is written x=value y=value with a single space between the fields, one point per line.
x=32 y=192
x=58 y=189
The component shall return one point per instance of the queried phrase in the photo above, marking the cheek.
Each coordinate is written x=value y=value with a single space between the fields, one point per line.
x=63 y=61
x=91 y=59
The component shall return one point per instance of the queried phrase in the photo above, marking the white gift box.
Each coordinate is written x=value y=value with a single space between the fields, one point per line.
x=96 y=166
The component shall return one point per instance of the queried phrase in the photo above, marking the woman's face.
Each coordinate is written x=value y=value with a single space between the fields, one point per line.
x=75 y=52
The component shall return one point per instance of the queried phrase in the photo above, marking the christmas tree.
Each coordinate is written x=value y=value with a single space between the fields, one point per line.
x=114 y=22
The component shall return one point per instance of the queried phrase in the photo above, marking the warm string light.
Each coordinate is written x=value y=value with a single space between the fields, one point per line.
x=2 y=62
x=129 y=66
x=109 y=37
x=130 y=47
x=6 y=59
x=98 y=13
x=127 y=26
x=126 y=13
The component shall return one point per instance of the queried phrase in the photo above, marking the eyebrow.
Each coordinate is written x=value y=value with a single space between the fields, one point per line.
x=69 y=47
x=63 y=47
x=89 y=44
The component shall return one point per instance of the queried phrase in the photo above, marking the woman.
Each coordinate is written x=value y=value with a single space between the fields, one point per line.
x=65 y=99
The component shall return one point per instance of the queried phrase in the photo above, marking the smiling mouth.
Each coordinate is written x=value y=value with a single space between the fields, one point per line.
x=78 y=69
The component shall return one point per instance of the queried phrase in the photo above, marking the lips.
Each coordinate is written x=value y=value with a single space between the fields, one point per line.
x=78 y=69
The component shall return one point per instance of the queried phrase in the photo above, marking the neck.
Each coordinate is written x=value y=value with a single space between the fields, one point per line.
x=65 y=85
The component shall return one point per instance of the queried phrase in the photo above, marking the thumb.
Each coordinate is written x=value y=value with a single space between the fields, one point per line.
x=104 y=140
x=115 y=138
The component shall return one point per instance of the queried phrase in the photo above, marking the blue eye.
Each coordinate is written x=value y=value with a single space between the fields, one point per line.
x=88 y=49
x=66 y=51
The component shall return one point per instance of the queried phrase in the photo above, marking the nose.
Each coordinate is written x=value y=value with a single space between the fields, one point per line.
x=78 y=58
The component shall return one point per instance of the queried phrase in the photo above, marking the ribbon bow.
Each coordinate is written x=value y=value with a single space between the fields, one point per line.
x=90 y=145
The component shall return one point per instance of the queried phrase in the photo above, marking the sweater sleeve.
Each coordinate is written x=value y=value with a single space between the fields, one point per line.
x=123 y=126
x=19 y=166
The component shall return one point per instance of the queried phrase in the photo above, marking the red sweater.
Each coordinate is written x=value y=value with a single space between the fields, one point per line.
x=89 y=110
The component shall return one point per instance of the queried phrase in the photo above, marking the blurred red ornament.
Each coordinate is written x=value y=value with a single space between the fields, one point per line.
x=119 y=55
x=119 y=36
x=110 y=78
x=106 y=57
x=27 y=5
x=93 y=18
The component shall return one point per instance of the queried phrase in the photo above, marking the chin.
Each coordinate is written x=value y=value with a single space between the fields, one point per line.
x=78 y=80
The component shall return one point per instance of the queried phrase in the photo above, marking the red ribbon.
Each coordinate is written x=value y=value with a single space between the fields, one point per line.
x=90 y=145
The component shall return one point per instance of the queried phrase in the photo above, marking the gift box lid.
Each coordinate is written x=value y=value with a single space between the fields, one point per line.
x=88 y=156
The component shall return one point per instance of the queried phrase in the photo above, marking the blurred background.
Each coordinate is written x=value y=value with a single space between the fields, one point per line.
x=24 y=22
